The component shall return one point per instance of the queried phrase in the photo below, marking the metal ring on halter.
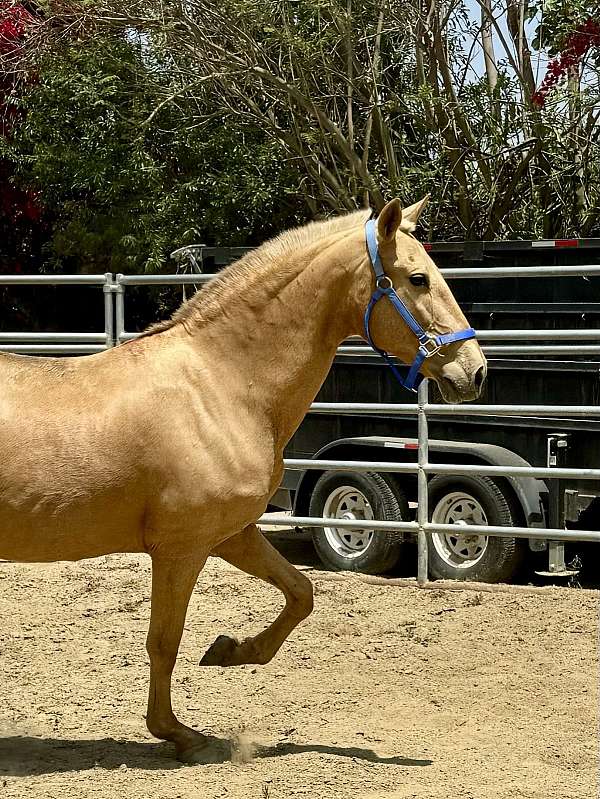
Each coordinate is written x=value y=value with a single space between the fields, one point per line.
x=384 y=282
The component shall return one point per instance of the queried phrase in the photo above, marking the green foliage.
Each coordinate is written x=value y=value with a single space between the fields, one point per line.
x=227 y=123
x=119 y=192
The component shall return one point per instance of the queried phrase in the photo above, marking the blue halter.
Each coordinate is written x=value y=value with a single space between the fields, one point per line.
x=429 y=344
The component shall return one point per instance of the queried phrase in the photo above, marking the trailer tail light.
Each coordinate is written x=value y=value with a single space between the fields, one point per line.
x=555 y=243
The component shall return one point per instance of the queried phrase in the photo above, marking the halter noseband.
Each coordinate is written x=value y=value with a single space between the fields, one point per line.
x=429 y=344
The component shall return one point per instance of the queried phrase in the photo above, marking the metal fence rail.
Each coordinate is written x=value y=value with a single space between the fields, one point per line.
x=498 y=351
x=62 y=343
x=440 y=468
x=499 y=532
x=422 y=526
x=410 y=409
x=114 y=290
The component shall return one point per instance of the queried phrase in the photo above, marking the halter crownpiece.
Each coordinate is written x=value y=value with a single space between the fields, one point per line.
x=429 y=344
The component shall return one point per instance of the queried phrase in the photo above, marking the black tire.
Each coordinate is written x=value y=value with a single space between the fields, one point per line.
x=386 y=502
x=494 y=560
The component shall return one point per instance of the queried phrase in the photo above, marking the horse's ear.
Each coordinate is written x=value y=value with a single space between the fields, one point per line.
x=389 y=220
x=410 y=215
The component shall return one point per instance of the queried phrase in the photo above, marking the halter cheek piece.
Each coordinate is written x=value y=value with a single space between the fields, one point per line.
x=428 y=344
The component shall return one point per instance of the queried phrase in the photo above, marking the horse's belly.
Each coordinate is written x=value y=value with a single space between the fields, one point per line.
x=52 y=528
x=45 y=542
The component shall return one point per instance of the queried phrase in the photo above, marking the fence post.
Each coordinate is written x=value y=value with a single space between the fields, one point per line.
x=422 y=498
x=120 y=308
x=109 y=325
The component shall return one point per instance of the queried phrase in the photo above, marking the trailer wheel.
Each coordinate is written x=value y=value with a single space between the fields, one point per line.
x=360 y=496
x=463 y=501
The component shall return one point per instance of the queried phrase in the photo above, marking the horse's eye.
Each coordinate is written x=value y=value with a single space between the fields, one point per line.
x=419 y=280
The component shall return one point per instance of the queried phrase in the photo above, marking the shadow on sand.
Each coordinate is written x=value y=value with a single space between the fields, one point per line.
x=27 y=756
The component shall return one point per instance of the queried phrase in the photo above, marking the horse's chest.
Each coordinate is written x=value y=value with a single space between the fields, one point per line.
x=229 y=478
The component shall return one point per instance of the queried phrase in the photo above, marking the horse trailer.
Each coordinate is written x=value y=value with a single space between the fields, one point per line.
x=519 y=374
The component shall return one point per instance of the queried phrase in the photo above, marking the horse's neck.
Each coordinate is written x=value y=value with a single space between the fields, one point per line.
x=280 y=350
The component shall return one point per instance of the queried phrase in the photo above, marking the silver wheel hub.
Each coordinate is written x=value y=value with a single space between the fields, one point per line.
x=460 y=550
x=349 y=503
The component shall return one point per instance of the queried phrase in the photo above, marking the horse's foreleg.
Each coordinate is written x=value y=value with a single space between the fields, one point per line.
x=252 y=553
x=173 y=581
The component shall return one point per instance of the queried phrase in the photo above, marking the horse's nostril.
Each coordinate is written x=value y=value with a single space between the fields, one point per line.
x=479 y=377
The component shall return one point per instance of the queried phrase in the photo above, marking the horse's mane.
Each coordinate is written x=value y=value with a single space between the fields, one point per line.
x=209 y=301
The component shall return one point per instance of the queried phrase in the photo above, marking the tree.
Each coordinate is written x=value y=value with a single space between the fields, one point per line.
x=20 y=212
x=385 y=97
x=122 y=182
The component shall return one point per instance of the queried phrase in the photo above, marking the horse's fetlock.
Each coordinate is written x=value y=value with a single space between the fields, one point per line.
x=261 y=658
x=160 y=729
x=253 y=652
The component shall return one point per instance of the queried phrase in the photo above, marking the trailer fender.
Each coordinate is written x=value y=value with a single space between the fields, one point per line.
x=528 y=490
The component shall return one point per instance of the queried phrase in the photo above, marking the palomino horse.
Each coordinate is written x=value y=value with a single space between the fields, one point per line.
x=172 y=444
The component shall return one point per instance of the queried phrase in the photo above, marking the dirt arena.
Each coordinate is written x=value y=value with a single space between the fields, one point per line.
x=384 y=693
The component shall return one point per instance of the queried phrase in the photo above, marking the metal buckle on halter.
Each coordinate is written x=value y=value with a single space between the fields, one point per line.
x=429 y=347
x=384 y=283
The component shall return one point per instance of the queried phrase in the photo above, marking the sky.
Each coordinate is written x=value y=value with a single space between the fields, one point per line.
x=539 y=59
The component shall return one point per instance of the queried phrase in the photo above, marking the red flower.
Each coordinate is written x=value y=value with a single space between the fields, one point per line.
x=579 y=42
x=15 y=20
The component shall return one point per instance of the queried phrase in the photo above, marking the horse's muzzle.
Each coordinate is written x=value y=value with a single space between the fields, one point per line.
x=458 y=385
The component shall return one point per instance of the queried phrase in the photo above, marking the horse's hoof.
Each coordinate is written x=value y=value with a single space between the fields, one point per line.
x=221 y=653
x=200 y=754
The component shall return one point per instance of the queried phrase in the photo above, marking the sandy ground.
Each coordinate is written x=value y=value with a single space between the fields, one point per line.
x=384 y=693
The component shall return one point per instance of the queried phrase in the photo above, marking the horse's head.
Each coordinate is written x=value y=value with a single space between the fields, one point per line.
x=459 y=368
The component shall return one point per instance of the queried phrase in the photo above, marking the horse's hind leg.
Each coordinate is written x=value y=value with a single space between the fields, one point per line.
x=173 y=581
x=252 y=553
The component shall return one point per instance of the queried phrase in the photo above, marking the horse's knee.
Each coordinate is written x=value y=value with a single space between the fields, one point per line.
x=302 y=596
